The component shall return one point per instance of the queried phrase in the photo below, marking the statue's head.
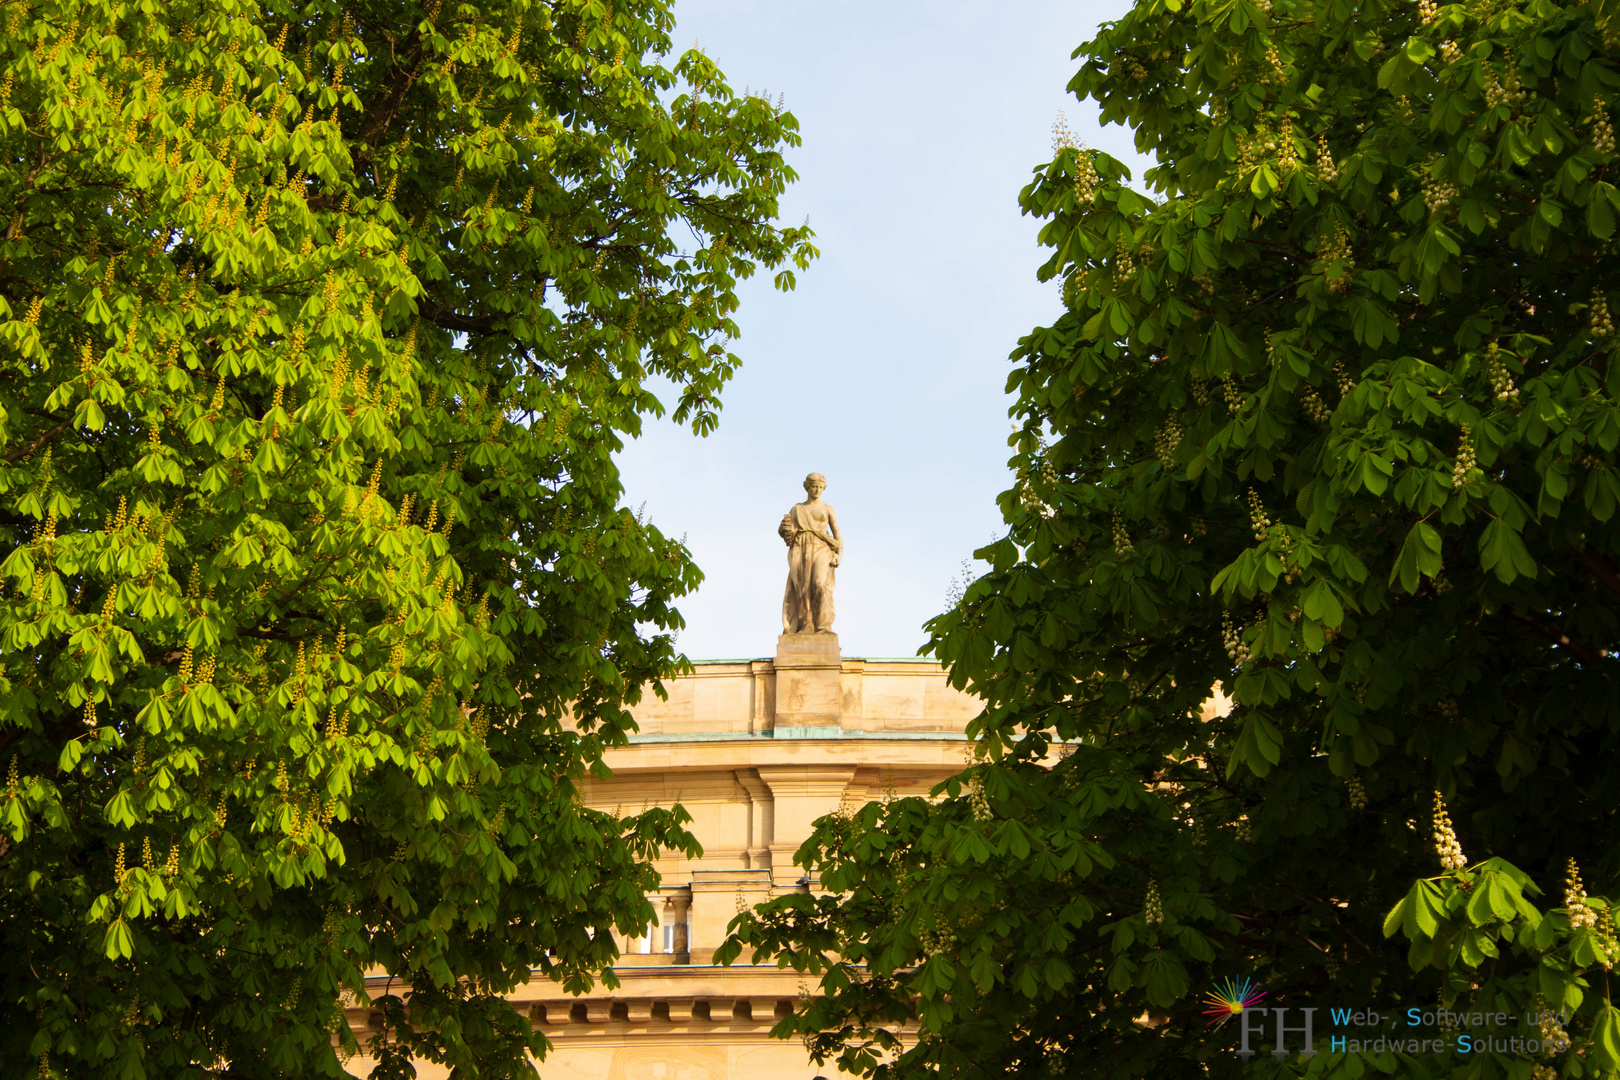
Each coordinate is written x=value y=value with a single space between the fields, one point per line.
x=815 y=484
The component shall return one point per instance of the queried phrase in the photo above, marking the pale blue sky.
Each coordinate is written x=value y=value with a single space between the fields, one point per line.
x=885 y=369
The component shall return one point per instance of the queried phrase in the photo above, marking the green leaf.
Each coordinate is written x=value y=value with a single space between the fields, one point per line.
x=72 y=751
x=1502 y=550
x=1259 y=745
x=1606 y=1038
x=121 y=811
x=1375 y=473
x=1420 y=554
x=1320 y=604
x=120 y=942
x=1397 y=916
x=88 y=415
x=1490 y=901
x=1419 y=51
x=1418 y=914
x=1600 y=210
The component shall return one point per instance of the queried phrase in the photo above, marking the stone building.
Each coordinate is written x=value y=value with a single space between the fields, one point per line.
x=756 y=750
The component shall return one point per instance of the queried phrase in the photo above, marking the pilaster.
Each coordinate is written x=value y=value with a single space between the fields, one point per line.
x=757 y=851
x=799 y=795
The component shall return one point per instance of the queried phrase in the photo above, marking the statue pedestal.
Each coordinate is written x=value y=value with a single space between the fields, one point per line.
x=809 y=689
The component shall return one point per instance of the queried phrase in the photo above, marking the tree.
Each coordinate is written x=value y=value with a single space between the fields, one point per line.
x=1328 y=421
x=319 y=326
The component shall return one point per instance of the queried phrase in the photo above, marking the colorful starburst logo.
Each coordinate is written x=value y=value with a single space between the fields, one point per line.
x=1230 y=998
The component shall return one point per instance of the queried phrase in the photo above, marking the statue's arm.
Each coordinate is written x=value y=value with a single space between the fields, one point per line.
x=832 y=527
x=786 y=530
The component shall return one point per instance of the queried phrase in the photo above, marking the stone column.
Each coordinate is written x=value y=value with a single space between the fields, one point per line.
x=809 y=691
x=675 y=909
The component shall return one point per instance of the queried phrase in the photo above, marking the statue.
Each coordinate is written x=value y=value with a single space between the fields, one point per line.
x=814 y=543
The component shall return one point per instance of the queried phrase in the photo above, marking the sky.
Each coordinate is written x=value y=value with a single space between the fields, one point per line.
x=885 y=370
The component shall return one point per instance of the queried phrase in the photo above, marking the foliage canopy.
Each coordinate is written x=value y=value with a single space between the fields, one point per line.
x=1328 y=422
x=319 y=325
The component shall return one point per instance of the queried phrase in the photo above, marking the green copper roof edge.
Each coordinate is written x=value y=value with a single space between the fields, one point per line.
x=894 y=659
x=863 y=659
x=796 y=733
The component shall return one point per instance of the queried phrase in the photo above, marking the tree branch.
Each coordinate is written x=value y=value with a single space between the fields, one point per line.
x=1600 y=568
x=396 y=84
x=446 y=319
x=1583 y=655
x=41 y=439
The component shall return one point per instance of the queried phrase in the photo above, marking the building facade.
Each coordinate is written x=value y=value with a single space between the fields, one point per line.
x=756 y=750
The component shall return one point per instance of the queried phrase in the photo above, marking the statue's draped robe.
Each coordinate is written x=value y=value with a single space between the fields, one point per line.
x=807 y=605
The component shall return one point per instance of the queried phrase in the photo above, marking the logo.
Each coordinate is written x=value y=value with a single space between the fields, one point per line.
x=1231 y=998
